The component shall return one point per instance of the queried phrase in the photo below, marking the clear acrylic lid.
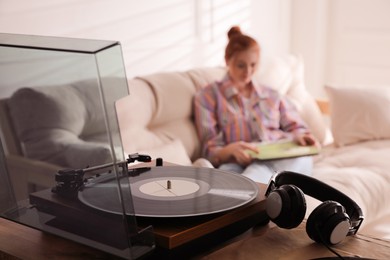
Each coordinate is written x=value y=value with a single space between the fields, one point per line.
x=59 y=131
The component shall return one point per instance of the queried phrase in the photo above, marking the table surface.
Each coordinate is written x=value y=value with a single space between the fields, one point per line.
x=272 y=242
x=261 y=242
x=268 y=241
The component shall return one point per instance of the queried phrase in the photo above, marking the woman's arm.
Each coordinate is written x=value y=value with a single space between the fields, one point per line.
x=292 y=122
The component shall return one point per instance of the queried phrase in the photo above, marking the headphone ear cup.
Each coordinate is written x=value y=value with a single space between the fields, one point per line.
x=286 y=206
x=328 y=223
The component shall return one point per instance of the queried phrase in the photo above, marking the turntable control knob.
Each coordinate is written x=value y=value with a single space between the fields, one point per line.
x=159 y=162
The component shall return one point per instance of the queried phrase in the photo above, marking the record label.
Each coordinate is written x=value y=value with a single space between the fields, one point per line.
x=168 y=188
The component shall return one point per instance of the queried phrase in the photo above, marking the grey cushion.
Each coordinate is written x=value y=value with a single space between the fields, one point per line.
x=54 y=124
x=45 y=108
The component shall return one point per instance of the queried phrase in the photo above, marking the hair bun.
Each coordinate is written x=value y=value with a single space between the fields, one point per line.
x=234 y=31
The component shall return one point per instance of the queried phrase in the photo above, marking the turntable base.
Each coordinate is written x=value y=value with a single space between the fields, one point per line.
x=172 y=233
x=169 y=233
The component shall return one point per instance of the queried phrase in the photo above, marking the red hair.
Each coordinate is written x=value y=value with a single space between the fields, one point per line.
x=239 y=42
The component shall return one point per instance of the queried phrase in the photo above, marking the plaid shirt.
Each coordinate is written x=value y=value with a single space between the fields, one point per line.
x=221 y=116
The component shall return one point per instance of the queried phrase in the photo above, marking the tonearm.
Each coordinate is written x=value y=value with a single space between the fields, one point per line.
x=69 y=181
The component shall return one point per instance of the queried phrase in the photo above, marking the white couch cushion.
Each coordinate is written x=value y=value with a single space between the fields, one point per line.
x=135 y=112
x=173 y=92
x=201 y=77
x=164 y=101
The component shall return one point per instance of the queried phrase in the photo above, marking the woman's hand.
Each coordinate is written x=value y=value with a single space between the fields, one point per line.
x=306 y=139
x=237 y=152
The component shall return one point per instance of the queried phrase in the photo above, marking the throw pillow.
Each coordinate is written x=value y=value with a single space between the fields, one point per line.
x=359 y=113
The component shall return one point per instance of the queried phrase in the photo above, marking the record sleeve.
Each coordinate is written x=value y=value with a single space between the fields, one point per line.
x=282 y=149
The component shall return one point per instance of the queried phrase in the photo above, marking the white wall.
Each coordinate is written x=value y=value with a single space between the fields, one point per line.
x=359 y=42
x=155 y=35
x=343 y=42
x=309 y=25
x=270 y=25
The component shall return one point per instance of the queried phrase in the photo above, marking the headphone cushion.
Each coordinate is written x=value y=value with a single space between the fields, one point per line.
x=286 y=206
x=328 y=223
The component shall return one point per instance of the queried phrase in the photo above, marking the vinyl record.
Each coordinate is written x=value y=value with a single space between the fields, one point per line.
x=172 y=191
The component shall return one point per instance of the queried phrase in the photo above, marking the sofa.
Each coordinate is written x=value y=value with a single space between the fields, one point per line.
x=164 y=125
x=156 y=118
x=352 y=125
x=51 y=127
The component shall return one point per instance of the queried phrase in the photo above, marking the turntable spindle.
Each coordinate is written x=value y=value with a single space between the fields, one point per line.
x=169 y=184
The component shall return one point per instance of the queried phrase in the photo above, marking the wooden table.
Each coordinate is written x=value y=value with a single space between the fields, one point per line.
x=21 y=242
x=272 y=242
x=223 y=240
x=261 y=242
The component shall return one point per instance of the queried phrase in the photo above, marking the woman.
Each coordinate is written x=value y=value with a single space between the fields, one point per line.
x=233 y=113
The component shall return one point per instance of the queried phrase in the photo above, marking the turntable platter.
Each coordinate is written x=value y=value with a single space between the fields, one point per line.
x=173 y=191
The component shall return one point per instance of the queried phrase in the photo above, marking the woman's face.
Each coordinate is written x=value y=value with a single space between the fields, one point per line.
x=242 y=66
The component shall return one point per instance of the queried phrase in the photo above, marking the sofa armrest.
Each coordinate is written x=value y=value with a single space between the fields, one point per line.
x=28 y=175
x=202 y=162
x=82 y=154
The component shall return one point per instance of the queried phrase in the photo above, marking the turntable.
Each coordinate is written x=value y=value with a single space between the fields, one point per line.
x=180 y=206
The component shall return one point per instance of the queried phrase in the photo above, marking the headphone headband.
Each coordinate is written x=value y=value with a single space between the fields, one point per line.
x=321 y=191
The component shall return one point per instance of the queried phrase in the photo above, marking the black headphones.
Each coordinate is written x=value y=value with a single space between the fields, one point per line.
x=335 y=218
